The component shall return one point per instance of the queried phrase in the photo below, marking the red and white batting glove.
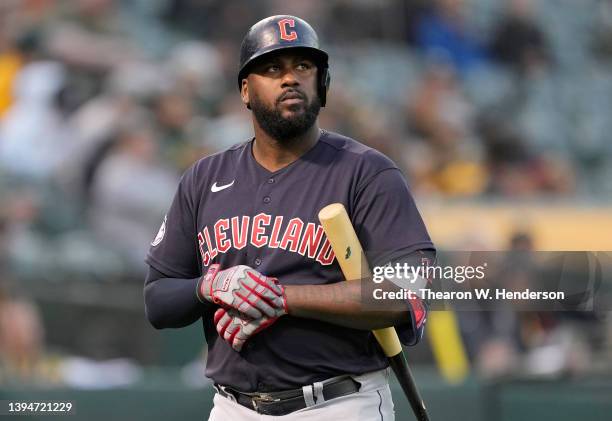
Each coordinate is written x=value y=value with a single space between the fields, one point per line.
x=244 y=289
x=236 y=330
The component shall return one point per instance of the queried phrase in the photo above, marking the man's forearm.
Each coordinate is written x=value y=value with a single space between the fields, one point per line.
x=344 y=304
x=171 y=302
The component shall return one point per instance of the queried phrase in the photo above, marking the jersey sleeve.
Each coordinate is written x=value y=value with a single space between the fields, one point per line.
x=387 y=220
x=411 y=332
x=390 y=229
x=174 y=251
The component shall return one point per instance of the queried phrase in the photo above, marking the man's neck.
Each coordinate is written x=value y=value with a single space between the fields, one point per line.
x=274 y=155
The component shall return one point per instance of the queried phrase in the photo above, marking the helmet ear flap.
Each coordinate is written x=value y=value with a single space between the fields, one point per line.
x=324 y=81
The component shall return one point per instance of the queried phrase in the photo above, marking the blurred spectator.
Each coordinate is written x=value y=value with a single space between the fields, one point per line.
x=438 y=108
x=211 y=19
x=21 y=336
x=442 y=32
x=602 y=42
x=25 y=232
x=521 y=242
x=518 y=40
x=131 y=190
x=34 y=135
x=514 y=168
x=196 y=70
x=177 y=129
x=493 y=334
x=442 y=116
x=14 y=54
x=230 y=126
x=91 y=36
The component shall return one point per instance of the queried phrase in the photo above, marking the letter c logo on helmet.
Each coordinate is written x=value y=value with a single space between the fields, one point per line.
x=279 y=33
x=282 y=24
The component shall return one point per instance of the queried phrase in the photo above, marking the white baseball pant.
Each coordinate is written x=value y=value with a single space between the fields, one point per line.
x=372 y=403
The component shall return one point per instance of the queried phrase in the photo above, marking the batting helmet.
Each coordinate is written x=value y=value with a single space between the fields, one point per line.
x=278 y=33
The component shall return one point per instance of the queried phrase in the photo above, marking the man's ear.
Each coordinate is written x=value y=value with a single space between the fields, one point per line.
x=244 y=93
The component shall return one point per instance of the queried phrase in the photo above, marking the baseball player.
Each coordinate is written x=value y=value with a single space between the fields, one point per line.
x=242 y=250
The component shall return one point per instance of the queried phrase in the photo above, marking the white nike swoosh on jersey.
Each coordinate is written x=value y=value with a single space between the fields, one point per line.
x=214 y=188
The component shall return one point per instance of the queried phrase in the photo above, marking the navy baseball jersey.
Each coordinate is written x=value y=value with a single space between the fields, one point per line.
x=230 y=210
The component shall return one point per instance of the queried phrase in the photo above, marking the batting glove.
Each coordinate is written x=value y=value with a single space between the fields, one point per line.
x=244 y=289
x=237 y=330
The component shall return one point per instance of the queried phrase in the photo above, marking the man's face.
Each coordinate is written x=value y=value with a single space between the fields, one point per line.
x=282 y=93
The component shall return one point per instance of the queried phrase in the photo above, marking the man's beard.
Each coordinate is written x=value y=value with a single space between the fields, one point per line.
x=281 y=128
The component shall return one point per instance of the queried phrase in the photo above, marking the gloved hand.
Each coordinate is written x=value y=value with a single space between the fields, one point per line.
x=236 y=330
x=244 y=289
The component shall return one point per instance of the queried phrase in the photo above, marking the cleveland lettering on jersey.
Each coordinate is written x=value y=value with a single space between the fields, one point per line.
x=305 y=239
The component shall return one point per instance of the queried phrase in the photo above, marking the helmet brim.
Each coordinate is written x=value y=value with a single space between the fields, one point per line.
x=319 y=56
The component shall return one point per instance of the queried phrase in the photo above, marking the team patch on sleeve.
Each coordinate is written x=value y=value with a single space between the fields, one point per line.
x=160 y=234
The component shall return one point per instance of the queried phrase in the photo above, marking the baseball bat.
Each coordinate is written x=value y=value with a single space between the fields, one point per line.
x=352 y=260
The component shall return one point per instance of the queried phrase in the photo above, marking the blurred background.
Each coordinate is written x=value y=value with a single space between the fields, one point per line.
x=498 y=112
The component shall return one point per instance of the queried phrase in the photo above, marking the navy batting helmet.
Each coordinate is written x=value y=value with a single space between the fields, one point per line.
x=278 y=33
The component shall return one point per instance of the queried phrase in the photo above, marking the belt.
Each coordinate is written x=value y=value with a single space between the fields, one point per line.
x=288 y=401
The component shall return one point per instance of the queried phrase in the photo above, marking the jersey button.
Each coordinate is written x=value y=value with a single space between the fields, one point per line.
x=257 y=261
x=270 y=180
x=267 y=199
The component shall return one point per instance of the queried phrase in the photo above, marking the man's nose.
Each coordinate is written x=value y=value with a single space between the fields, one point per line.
x=289 y=78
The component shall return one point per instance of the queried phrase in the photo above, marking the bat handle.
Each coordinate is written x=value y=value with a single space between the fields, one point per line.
x=402 y=372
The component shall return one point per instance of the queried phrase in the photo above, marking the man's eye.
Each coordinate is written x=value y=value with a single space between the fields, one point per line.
x=272 y=68
x=304 y=66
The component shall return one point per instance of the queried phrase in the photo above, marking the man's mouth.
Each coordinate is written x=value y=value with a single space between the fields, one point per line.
x=291 y=97
x=291 y=101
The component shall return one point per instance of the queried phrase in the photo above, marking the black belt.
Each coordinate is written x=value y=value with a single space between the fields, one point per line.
x=287 y=401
